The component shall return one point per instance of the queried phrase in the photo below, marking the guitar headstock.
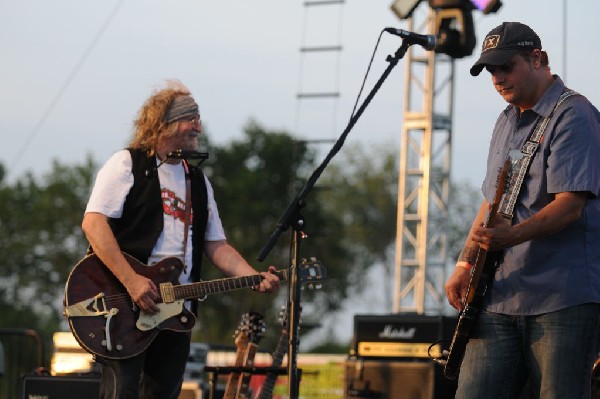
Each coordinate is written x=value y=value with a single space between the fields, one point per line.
x=284 y=317
x=250 y=330
x=312 y=272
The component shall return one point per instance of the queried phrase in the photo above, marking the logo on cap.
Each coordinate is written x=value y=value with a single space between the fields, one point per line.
x=490 y=42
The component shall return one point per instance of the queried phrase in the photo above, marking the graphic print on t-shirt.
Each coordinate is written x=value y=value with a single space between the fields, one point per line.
x=173 y=205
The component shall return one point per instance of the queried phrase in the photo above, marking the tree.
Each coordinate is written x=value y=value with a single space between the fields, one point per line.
x=255 y=179
x=462 y=210
x=364 y=198
x=42 y=243
x=350 y=222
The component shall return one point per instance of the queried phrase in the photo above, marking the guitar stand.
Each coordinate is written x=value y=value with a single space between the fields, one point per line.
x=216 y=371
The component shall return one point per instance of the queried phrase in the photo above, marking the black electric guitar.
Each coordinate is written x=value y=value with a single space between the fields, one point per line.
x=266 y=391
x=106 y=322
x=247 y=337
x=482 y=276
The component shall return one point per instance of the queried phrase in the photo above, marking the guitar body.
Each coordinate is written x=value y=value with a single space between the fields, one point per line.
x=468 y=317
x=104 y=319
x=106 y=322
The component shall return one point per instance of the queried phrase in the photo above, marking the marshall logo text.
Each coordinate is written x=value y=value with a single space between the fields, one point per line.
x=390 y=332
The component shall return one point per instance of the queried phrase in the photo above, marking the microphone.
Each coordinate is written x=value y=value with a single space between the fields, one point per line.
x=428 y=42
x=178 y=154
x=188 y=154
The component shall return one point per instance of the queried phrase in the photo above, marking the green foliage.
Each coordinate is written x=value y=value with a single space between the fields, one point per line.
x=41 y=217
x=322 y=381
x=462 y=210
x=349 y=221
x=254 y=182
x=363 y=196
x=40 y=243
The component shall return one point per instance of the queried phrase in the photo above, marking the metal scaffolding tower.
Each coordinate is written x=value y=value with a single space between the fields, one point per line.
x=319 y=71
x=424 y=176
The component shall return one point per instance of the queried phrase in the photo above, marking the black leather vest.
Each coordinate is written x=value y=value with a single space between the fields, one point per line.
x=141 y=223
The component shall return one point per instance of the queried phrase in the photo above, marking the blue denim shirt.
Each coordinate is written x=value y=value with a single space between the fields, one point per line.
x=561 y=269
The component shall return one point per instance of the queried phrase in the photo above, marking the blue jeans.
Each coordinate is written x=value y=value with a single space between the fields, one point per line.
x=553 y=352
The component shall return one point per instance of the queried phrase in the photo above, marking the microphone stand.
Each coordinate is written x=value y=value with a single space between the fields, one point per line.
x=292 y=217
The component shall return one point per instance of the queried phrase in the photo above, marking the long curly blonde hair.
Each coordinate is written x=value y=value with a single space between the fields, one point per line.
x=150 y=123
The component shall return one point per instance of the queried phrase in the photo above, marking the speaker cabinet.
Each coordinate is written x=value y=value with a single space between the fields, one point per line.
x=49 y=387
x=76 y=387
x=190 y=390
x=386 y=379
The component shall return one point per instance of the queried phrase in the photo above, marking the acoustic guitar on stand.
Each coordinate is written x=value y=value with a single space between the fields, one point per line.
x=247 y=337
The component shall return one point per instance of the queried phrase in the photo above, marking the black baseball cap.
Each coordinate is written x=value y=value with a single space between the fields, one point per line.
x=503 y=42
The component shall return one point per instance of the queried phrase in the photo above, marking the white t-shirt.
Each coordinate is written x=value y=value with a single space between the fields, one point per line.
x=113 y=182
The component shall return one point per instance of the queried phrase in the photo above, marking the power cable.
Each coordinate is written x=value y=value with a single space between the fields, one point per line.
x=65 y=85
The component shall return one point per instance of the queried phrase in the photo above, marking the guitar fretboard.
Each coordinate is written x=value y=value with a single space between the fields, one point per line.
x=203 y=288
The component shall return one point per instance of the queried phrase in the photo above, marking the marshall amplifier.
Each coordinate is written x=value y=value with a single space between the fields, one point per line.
x=393 y=379
x=399 y=335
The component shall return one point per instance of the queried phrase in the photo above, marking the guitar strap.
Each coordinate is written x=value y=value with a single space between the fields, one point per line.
x=521 y=162
x=188 y=211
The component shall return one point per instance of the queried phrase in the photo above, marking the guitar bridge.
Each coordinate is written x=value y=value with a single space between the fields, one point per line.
x=94 y=306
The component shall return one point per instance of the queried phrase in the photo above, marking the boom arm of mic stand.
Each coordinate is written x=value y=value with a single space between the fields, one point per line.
x=293 y=211
x=300 y=201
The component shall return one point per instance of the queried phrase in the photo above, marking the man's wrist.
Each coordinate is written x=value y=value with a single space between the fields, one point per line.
x=464 y=264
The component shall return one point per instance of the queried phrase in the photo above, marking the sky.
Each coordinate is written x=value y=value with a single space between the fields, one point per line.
x=73 y=73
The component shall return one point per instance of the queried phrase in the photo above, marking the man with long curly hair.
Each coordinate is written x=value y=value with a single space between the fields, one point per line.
x=151 y=205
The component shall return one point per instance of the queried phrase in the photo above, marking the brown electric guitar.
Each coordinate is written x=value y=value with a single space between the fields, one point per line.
x=106 y=322
x=482 y=276
x=247 y=337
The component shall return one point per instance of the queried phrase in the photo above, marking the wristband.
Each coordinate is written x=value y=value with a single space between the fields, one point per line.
x=464 y=264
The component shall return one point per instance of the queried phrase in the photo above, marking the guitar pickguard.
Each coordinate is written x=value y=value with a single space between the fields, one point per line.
x=148 y=321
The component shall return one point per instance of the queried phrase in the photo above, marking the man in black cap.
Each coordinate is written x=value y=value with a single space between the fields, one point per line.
x=540 y=321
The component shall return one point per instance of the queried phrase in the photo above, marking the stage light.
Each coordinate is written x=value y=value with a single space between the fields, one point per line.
x=404 y=8
x=455 y=33
x=439 y=4
x=487 y=6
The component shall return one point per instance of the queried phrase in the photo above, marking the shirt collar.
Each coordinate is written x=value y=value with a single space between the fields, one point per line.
x=545 y=105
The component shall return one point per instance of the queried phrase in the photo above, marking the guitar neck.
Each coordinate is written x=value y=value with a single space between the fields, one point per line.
x=233 y=379
x=482 y=257
x=266 y=391
x=203 y=288
x=244 y=380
